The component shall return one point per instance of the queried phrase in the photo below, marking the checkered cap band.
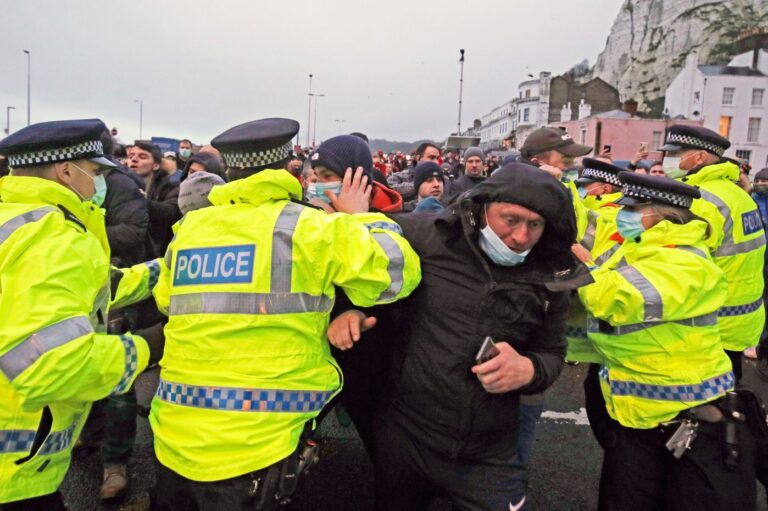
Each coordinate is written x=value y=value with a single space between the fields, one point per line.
x=87 y=149
x=601 y=175
x=656 y=195
x=692 y=141
x=258 y=158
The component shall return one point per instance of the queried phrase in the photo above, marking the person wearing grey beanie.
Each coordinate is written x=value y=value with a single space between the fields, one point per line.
x=193 y=191
x=474 y=172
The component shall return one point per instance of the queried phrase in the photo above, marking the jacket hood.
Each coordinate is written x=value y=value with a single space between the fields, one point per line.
x=527 y=186
x=724 y=170
x=385 y=199
x=265 y=186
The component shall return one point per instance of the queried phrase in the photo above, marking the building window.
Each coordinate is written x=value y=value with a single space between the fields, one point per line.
x=527 y=93
x=725 y=126
x=656 y=140
x=757 y=97
x=728 y=95
x=519 y=115
x=743 y=155
x=753 y=130
x=526 y=114
x=696 y=96
x=583 y=136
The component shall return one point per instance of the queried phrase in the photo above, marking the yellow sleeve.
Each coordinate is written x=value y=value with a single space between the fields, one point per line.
x=134 y=284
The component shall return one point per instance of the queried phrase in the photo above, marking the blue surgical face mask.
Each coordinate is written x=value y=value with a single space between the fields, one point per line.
x=497 y=250
x=582 y=192
x=629 y=223
x=317 y=190
x=185 y=153
x=99 y=184
x=671 y=166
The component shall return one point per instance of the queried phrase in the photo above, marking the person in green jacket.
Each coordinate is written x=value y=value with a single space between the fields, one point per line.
x=653 y=316
x=694 y=155
x=248 y=286
x=55 y=355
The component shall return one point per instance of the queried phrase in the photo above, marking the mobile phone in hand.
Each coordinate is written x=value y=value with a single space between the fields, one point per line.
x=607 y=148
x=643 y=147
x=487 y=351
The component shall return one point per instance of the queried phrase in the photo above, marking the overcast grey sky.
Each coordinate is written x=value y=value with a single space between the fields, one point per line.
x=389 y=68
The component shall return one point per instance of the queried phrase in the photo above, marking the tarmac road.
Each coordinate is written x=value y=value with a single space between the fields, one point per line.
x=564 y=470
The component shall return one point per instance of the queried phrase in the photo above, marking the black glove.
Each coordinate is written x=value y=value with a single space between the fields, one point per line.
x=156 y=341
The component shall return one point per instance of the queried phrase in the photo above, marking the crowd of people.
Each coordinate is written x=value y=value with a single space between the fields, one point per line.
x=445 y=289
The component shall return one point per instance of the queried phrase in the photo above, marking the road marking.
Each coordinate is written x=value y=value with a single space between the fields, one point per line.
x=579 y=418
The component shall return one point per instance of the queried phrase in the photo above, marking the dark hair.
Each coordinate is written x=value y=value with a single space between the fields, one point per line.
x=210 y=162
x=423 y=147
x=150 y=148
x=185 y=140
x=107 y=142
x=657 y=162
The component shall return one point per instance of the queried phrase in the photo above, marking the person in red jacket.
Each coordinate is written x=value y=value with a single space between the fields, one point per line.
x=331 y=161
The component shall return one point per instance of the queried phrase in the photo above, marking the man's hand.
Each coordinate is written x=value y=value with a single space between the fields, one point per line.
x=581 y=252
x=552 y=171
x=640 y=155
x=355 y=193
x=345 y=329
x=506 y=371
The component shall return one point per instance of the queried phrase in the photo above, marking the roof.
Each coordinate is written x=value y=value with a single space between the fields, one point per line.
x=711 y=70
x=615 y=114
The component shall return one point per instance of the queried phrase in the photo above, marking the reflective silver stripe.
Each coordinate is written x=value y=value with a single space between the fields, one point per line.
x=394 y=267
x=248 y=303
x=14 y=362
x=387 y=226
x=653 y=306
x=242 y=399
x=9 y=227
x=739 y=310
x=693 y=250
x=703 y=391
x=594 y=326
x=100 y=305
x=282 y=248
x=607 y=254
x=728 y=247
x=22 y=440
x=588 y=241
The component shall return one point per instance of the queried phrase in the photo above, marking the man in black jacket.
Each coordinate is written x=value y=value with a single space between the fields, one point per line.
x=497 y=264
x=162 y=196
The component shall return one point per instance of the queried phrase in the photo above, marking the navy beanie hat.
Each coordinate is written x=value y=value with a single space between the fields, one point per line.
x=426 y=170
x=339 y=153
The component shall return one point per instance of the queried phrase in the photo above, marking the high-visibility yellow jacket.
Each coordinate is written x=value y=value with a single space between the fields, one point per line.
x=55 y=357
x=654 y=320
x=597 y=202
x=248 y=285
x=737 y=245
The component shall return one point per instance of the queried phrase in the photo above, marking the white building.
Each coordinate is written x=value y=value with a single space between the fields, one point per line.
x=521 y=114
x=730 y=100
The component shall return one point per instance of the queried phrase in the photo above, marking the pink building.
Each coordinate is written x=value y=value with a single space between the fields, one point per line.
x=622 y=131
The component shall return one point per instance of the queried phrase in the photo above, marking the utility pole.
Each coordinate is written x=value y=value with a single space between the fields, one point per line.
x=309 y=108
x=314 y=129
x=29 y=86
x=141 y=118
x=340 y=121
x=461 y=87
x=8 y=119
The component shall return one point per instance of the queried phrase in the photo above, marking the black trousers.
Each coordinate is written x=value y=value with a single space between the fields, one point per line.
x=639 y=473
x=409 y=475
x=50 y=502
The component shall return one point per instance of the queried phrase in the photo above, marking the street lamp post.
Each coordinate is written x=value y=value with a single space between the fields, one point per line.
x=29 y=85
x=461 y=87
x=8 y=119
x=314 y=128
x=141 y=118
x=309 y=108
x=340 y=121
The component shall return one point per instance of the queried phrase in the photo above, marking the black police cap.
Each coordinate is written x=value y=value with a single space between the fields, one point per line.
x=597 y=170
x=680 y=136
x=56 y=141
x=257 y=143
x=643 y=188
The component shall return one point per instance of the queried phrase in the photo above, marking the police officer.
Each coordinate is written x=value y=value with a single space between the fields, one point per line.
x=55 y=356
x=248 y=285
x=694 y=155
x=653 y=309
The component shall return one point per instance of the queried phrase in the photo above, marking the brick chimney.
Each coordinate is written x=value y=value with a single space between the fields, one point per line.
x=630 y=106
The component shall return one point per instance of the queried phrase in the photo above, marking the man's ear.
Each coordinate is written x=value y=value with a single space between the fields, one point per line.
x=155 y=166
x=62 y=172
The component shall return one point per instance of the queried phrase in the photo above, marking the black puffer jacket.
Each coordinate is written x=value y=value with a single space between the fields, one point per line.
x=127 y=217
x=463 y=297
x=163 y=202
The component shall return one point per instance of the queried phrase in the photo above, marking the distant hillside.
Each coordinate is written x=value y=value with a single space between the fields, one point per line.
x=388 y=146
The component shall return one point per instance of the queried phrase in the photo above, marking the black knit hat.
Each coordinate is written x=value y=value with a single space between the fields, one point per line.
x=426 y=170
x=339 y=153
x=762 y=174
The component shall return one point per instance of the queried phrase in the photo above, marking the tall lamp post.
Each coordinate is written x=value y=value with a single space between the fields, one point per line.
x=309 y=108
x=314 y=128
x=141 y=118
x=340 y=121
x=461 y=87
x=8 y=119
x=29 y=85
